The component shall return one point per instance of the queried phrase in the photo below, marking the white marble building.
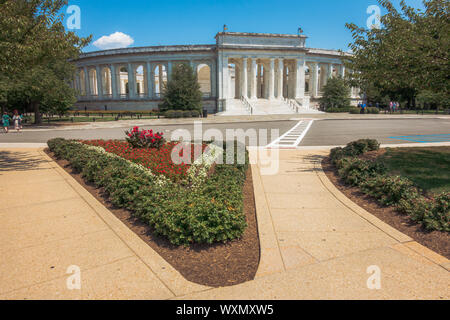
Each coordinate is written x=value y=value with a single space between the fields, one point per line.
x=243 y=73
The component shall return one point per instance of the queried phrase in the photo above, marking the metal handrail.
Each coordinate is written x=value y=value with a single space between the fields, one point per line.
x=293 y=104
x=247 y=104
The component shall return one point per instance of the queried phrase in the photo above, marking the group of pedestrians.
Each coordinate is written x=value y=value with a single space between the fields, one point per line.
x=394 y=106
x=362 y=106
x=16 y=120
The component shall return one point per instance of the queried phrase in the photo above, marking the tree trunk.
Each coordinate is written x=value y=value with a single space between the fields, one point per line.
x=37 y=113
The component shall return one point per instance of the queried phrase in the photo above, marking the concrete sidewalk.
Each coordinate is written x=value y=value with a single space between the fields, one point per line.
x=315 y=243
x=49 y=223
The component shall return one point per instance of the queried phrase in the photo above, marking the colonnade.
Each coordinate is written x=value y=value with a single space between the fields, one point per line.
x=274 y=78
x=136 y=80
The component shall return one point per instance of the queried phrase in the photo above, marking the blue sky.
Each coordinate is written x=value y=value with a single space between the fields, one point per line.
x=174 y=22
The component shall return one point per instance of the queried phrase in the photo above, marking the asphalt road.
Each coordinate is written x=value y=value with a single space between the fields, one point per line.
x=322 y=133
x=341 y=132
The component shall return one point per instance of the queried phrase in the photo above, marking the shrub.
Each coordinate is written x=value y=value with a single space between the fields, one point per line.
x=336 y=154
x=354 y=149
x=433 y=214
x=370 y=176
x=389 y=190
x=211 y=212
x=187 y=114
x=355 y=111
x=357 y=148
x=438 y=218
x=373 y=110
x=339 y=110
x=169 y=114
x=139 y=139
x=195 y=113
x=355 y=171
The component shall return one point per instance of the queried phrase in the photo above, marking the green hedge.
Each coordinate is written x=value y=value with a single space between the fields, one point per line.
x=177 y=114
x=370 y=176
x=211 y=212
x=342 y=110
x=373 y=110
x=354 y=149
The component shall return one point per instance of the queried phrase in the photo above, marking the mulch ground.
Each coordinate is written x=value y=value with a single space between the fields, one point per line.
x=217 y=265
x=436 y=240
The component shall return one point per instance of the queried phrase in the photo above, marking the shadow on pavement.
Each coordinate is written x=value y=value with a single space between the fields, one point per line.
x=19 y=161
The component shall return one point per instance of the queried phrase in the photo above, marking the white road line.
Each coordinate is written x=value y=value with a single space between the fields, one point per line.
x=293 y=137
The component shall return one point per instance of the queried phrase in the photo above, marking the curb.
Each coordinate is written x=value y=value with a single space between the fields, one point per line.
x=387 y=229
x=168 y=275
x=270 y=261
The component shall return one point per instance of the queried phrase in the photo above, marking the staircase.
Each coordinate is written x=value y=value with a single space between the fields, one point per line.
x=236 y=107
x=265 y=107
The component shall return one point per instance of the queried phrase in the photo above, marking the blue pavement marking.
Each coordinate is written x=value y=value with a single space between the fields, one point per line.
x=430 y=138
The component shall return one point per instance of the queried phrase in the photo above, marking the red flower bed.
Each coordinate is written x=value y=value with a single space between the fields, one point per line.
x=158 y=161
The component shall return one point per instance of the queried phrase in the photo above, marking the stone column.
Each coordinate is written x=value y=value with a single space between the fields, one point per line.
x=131 y=82
x=272 y=79
x=87 y=87
x=330 y=70
x=114 y=82
x=280 y=78
x=259 y=81
x=213 y=77
x=253 y=82
x=342 y=71
x=244 y=78
x=314 y=79
x=300 y=79
x=149 y=80
x=107 y=83
x=222 y=82
x=169 y=70
x=98 y=70
x=160 y=78
x=78 y=79
x=225 y=79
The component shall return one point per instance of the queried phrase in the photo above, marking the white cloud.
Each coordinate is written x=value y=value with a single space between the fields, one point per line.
x=114 y=41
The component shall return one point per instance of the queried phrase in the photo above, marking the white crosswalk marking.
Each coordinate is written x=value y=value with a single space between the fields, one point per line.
x=293 y=137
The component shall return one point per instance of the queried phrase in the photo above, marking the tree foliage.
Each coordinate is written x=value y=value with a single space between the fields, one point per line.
x=407 y=55
x=182 y=91
x=336 y=94
x=35 y=54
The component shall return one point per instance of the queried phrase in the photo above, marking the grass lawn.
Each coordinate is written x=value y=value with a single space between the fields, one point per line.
x=428 y=168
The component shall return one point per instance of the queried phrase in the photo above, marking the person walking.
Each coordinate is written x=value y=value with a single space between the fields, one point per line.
x=391 y=106
x=17 y=119
x=6 y=118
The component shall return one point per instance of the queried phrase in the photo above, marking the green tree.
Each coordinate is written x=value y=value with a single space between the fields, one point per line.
x=35 y=54
x=407 y=55
x=336 y=94
x=182 y=91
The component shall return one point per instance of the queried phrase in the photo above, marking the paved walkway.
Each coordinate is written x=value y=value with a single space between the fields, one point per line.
x=48 y=223
x=315 y=244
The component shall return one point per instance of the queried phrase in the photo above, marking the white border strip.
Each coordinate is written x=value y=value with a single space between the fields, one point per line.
x=276 y=143
x=17 y=145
